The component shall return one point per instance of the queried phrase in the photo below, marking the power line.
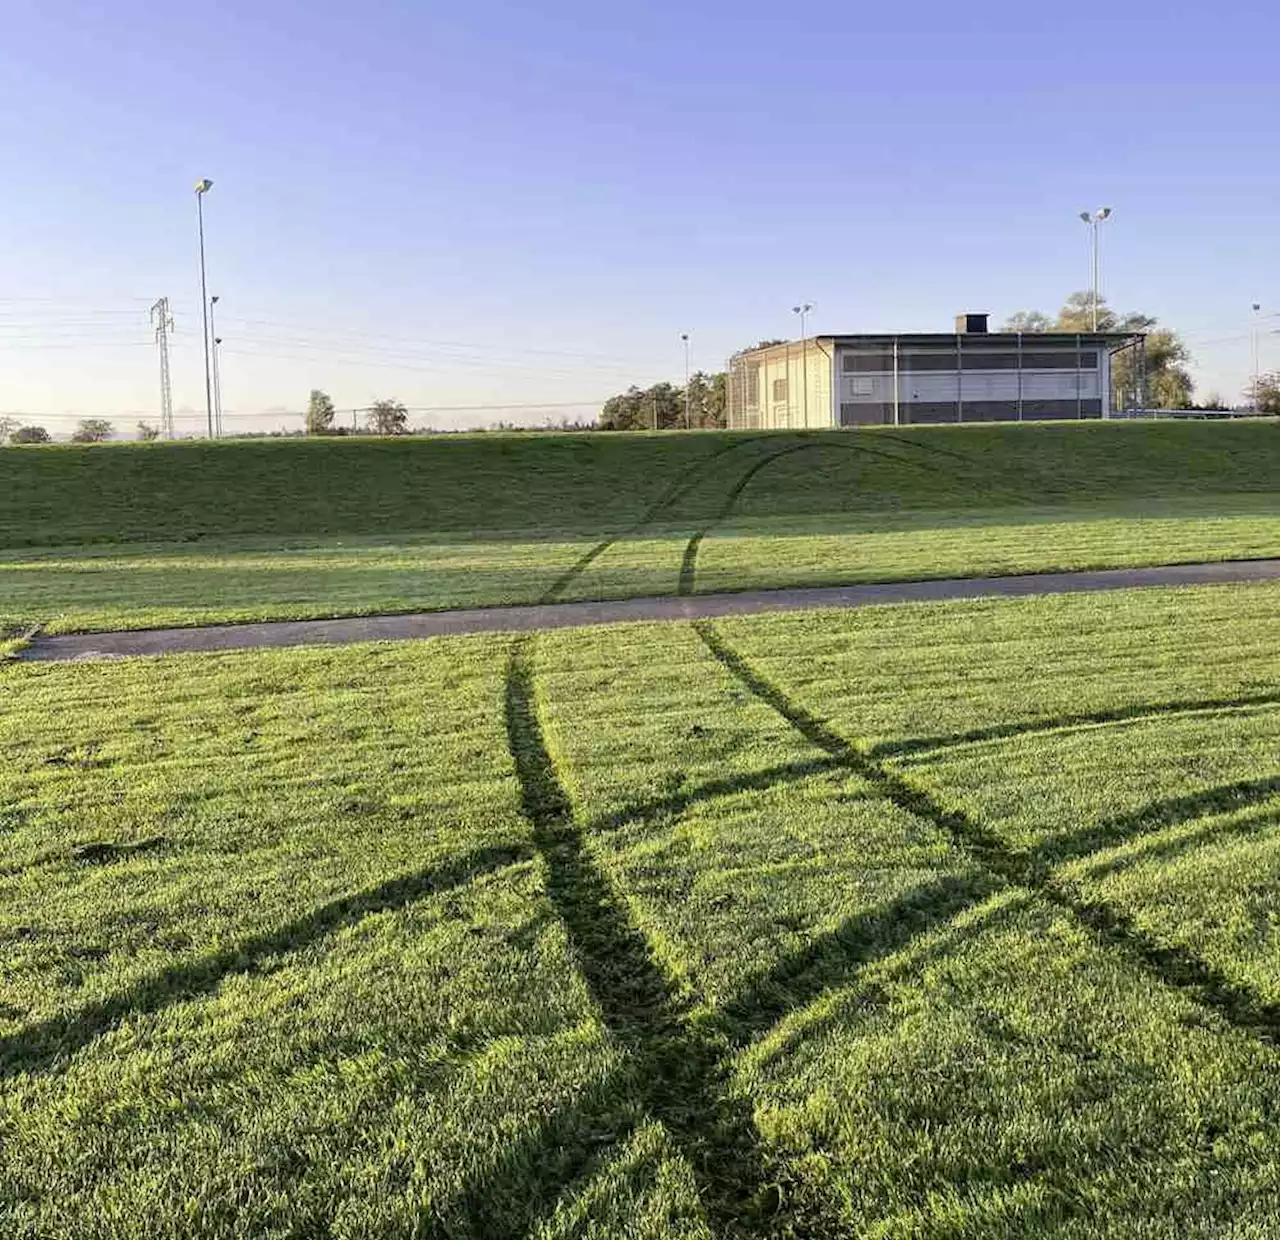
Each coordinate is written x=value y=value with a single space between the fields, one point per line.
x=267 y=414
x=394 y=363
x=485 y=354
x=425 y=341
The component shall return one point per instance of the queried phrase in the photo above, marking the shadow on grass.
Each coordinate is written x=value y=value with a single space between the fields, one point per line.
x=49 y=1043
x=676 y=1056
x=714 y=789
x=1172 y=965
x=1062 y=723
x=1156 y=816
x=1171 y=849
x=680 y=1056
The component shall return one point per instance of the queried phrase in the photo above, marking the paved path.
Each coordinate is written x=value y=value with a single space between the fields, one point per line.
x=573 y=615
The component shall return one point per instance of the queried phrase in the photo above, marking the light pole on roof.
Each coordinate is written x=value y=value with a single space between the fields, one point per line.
x=1093 y=219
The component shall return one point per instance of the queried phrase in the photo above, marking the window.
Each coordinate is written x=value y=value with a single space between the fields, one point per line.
x=853 y=363
x=1060 y=359
x=944 y=360
x=779 y=391
x=975 y=360
x=753 y=386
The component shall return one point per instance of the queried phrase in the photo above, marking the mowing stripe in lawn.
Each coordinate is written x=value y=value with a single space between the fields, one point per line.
x=45 y=1045
x=1174 y=966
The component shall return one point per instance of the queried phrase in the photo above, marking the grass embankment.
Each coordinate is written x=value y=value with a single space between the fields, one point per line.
x=850 y=924
x=196 y=533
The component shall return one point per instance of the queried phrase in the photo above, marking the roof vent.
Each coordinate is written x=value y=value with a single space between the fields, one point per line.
x=971 y=324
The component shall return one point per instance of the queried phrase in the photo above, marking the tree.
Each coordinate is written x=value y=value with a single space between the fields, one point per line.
x=1028 y=321
x=7 y=426
x=320 y=413
x=1169 y=383
x=1265 y=398
x=388 y=417
x=707 y=399
x=31 y=434
x=660 y=407
x=147 y=432
x=718 y=400
x=624 y=412
x=93 y=430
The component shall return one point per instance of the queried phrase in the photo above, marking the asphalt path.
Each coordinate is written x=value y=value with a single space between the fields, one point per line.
x=415 y=625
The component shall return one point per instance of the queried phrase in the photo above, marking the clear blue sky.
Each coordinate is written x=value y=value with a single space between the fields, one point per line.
x=532 y=201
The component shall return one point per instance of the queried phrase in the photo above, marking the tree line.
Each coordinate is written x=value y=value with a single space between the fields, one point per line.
x=383 y=417
x=662 y=407
x=88 y=430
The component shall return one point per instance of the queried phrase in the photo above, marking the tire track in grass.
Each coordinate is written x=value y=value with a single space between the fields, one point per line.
x=692 y=475
x=539 y=1169
x=1171 y=965
x=51 y=1042
x=689 y=562
x=683 y=483
x=1034 y=474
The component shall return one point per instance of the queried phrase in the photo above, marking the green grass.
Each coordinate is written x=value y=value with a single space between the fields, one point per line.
x=605 y=517
x=149 y=587
x=155 y=586
x=932 y=921
x=279 y=960
x=63 y=495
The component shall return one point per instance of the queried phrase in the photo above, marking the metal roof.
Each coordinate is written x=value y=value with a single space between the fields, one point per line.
x=1111 y=340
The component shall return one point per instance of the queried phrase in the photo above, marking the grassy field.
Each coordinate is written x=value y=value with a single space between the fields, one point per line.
x=145 y=536
x=947 y=920
x=515 y=485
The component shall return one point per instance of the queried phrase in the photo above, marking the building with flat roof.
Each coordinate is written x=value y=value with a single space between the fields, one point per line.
x=969 y=375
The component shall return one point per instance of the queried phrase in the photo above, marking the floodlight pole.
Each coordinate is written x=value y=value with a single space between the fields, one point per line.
x=688 y=421
x=217 y=377
x=803 y=312
x=203 y=186
x=1094 y=219
x=1257 y=310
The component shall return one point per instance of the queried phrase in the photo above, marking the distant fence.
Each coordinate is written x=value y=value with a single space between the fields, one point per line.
x=1208 y=414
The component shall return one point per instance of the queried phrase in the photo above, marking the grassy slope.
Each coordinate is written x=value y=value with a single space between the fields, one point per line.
x=842 y=960
x=257 y=518
x=783 y=509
